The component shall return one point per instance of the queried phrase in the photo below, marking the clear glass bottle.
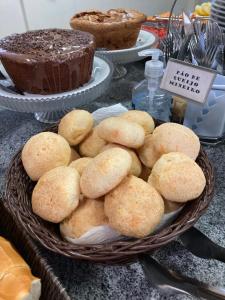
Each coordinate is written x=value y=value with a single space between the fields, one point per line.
x=147 y=94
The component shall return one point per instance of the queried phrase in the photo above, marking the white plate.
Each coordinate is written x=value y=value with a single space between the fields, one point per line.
x=145 y=41
x=101 y=77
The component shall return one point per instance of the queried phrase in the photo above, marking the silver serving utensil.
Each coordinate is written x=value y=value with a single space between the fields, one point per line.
x=200 y=245
x=199 y=33
x=183 y=52
x=204 y=57
x=188 y=25
x=170 y=282
x=210 y=56
x=213 y=35
x=197 y=51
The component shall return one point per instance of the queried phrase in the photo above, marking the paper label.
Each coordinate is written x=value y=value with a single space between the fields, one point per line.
x=188 y=81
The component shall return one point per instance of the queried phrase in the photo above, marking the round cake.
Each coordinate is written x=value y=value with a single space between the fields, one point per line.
x=115 y=29
x=48 y=61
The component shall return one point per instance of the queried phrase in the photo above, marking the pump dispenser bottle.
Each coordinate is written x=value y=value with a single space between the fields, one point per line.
x=147 y=94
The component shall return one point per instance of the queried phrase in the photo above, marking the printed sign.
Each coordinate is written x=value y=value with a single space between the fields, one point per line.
x=188 y=81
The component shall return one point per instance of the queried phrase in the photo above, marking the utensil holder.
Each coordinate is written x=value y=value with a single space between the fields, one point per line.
x=208 y=120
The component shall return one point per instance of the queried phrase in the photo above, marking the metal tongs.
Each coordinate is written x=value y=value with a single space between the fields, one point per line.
x=171 y=283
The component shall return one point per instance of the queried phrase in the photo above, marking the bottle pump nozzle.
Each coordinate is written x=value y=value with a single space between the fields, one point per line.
x=154 y=67
x=154 y=53
x=153 y=73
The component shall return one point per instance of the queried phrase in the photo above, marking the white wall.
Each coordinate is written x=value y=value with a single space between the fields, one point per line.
x=49 y=13
x=150 y=7
x=57 y=13
x=11 y=17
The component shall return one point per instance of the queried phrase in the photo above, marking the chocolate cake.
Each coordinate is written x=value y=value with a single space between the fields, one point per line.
x=114 y=29
x=48 y=61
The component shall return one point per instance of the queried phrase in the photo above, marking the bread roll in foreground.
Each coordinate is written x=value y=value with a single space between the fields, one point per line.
x=80 y=164
x=177 y=177
x=120 y=131
x=92 y=144
x=134 y=208
x=75 y=126
x=136 y=167
x=172 y=137
x=89 y=214
x=147 y=153
x=105 y=172
x=140 y=117
x=56 y=194
x=16 y=279
x=44 y=152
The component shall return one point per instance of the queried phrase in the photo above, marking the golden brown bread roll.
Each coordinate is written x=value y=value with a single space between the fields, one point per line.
x=134 y=207
x=172 y=137
x=74 y=155
x=136 y=167
x=16 y=279
x=89 y=214
x=43 y=152
x=140 y=117
x=105 y=172
x=75 y=126
x=80 y=164
x=177 y=177
x=147 y=153
x=120 y=131
x=56 y=194
x=92 y=144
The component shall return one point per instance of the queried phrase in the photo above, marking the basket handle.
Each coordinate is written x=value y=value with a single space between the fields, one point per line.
x=171 y=13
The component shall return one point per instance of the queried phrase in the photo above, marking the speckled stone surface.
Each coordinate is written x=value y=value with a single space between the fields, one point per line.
x=90 y=281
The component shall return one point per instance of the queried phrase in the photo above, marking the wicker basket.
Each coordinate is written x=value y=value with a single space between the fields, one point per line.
x=51 y=288
x=18 y=200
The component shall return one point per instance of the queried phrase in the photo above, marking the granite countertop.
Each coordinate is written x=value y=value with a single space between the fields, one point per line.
x=85 y=280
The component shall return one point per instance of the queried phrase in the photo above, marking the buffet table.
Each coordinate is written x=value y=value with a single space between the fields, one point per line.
x=85 y=280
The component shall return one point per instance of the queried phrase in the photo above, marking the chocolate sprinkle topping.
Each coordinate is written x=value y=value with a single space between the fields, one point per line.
x=47 y=43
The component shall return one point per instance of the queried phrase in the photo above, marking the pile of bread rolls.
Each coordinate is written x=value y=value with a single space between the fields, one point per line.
x=123 y=172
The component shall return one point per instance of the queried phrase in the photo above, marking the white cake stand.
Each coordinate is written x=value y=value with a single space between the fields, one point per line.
x=120 y=57
x=50 y=108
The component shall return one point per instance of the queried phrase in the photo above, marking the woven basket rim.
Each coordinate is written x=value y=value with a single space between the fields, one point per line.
x=18 y=202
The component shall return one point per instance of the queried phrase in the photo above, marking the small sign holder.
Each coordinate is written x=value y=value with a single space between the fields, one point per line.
x=188 y=81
